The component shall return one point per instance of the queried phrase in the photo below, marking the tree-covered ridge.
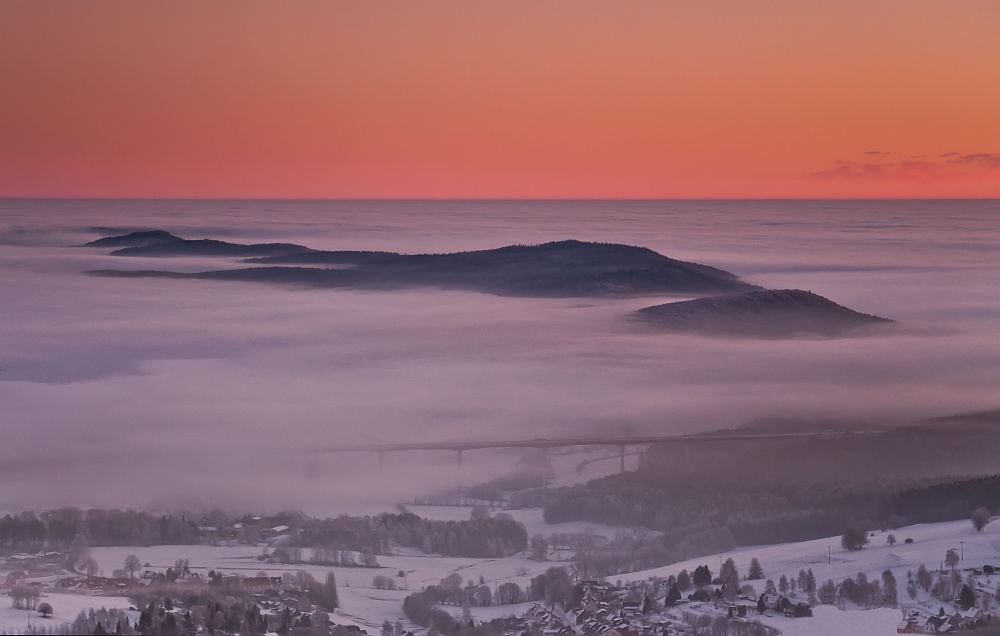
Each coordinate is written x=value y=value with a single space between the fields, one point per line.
x=480 y=538
x=762 y=314
x=778 y=490
x=30 y=531
x=161 y=243
x=483 y=537
x=701 y=518
x=567 y=268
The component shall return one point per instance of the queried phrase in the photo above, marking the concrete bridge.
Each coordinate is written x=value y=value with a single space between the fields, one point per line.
x=564 y=442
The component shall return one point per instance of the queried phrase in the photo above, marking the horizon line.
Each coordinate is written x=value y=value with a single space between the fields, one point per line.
x=486 y=199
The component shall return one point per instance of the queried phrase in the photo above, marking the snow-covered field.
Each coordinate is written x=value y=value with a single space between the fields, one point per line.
x=830 y=621
x=360 y=603
x=368 y=607
x=829 y=561
x=65 y=608
x=930 y=543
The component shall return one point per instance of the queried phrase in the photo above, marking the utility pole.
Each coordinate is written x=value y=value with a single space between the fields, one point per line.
x=829 y=554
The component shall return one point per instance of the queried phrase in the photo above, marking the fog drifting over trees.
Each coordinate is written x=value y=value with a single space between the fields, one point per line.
x=208 y=391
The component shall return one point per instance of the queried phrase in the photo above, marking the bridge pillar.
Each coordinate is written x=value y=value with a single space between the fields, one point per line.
x=621 y=456
x=459 y=457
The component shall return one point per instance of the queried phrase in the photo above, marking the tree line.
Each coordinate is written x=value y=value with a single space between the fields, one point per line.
x=702 y=517
x=483 y=537
x=553 y=586
x=30 y=532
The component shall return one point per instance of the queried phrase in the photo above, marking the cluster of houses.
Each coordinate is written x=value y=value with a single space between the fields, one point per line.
x=276 y=600
x=606 y=608
x=609 y=610
x=948 y=620
x=22 y=568
x=539 y=619
x=25 y=561
x=121 y=586
x=252 y=531
x=916 y=622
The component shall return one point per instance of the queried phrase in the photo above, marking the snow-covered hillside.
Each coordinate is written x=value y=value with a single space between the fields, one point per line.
x=828 y=560
x=367 y=607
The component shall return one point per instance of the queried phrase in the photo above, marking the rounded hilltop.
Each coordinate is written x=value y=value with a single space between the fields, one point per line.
x=776 y=313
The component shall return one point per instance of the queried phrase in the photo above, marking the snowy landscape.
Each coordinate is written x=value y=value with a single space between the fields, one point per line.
x=363 y=605
x=294 y=519
x=499 y=318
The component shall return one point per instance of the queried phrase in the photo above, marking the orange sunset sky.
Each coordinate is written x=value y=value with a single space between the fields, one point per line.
x=500 y=99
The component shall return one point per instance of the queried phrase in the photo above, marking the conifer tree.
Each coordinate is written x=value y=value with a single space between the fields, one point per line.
x=332 y=600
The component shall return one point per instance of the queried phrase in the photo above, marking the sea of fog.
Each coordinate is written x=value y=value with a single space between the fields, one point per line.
x=164 y=393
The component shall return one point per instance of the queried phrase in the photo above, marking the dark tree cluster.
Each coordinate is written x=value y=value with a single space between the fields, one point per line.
x=485 y=537
x=853 y=539
x=701 y=576
x=980 y=518
x=553 y=587
x=494 y=490
x=702 y=517
x=947 y=501
x=629 y=551
x=98 y=621
x=29 y=532
x=204 y=611
x=419 y=608
x=865 y=593
x=421 y=611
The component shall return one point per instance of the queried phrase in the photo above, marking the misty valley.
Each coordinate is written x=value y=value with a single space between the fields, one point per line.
x=499 y=418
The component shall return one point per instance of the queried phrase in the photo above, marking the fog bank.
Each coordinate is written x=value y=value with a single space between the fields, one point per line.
x=149 y=391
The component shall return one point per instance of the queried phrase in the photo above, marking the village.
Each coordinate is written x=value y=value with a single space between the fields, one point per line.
x=282 y=596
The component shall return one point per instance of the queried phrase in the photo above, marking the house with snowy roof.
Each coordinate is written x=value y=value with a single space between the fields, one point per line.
x=14 y=578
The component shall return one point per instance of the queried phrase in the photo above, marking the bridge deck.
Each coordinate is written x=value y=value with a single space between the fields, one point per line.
x=631 y=440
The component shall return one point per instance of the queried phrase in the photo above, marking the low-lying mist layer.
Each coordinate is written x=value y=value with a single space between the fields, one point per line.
x=156 y=392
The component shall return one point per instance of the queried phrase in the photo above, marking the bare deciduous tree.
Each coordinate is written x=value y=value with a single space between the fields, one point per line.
x=539 y=548
x=132 y=565
x=951 y=558
x=980 y=518
x=89 y=565
x=854 y=539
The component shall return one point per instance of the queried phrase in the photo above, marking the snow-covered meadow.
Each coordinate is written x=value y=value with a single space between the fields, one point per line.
x=828 y=560
x=65 y=608
x=367 y=607
x=361 y=604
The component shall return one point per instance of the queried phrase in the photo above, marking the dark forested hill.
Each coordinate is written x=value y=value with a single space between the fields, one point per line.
x=161 y=244
x=557 y=269
x=780 y=490
x=768 y=314
x=145 y=238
